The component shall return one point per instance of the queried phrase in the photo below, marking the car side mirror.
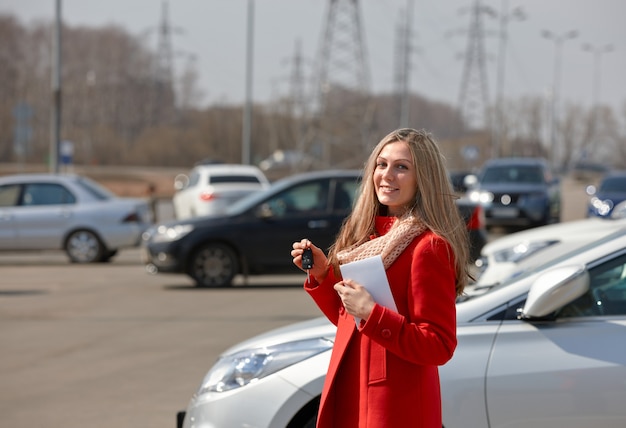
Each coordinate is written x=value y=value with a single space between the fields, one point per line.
x=553 y=290
x=470 y=181
x=181 y=181
x=264 y=211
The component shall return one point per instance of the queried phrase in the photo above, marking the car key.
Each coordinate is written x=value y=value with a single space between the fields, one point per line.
x=307 y=262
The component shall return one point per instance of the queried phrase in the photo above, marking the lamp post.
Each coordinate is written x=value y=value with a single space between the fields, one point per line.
x=505 y=18
x=247 y=111
x=558 y=40
x=597 y=52
x=55 y=129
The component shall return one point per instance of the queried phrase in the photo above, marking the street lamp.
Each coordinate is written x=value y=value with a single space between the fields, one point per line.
x=558 y=46
x=597 y=52
x=505 y=18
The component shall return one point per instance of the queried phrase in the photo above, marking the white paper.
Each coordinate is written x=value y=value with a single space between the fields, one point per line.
x=370 y=273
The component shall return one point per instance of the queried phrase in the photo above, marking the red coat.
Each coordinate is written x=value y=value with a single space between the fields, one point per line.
x=384 y=373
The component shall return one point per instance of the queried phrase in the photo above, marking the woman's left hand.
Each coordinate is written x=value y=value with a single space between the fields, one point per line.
x=356 y=299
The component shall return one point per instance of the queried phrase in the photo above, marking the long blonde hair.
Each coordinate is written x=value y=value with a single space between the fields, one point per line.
x=434 y=202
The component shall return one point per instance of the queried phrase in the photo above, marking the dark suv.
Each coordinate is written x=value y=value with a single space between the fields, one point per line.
x=517 y=192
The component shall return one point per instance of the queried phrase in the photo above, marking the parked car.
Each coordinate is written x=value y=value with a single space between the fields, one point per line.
x=71 y=213
x=512 y=254
x=544 y=350
x=211 y=188
x=253 y=235
x=610 y=192
x=516 y=192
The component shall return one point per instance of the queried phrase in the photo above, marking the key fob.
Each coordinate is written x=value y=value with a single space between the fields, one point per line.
x=307 y=259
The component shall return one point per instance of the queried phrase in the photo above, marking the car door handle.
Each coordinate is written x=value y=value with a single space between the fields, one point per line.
x=317 y=224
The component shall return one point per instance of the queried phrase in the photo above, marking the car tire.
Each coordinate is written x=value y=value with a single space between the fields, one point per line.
x=213 y=265
x=84 y=246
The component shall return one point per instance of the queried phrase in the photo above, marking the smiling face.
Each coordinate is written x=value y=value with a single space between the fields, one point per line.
x=394 y=178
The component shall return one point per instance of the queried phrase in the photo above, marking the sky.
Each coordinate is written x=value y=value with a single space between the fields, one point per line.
x=214 y=32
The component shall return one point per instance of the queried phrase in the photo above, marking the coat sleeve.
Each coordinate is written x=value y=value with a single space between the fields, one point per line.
x=325 y=296
x=427 y=333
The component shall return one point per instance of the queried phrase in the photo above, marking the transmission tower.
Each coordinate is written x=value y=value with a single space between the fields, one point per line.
x=473 y=98
x=343 y=79
x=164 y=102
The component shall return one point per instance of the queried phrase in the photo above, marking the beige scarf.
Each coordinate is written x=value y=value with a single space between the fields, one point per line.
x=389 y=246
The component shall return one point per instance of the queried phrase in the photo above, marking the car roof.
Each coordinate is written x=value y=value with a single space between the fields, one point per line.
x=224 y=167
x=516 y=161
x=614 y=174
x=17 y=178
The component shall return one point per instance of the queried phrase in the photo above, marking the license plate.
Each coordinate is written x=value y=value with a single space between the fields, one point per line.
x=504 y=212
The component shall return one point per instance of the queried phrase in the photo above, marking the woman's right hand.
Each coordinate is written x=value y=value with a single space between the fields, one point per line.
x=320 y=261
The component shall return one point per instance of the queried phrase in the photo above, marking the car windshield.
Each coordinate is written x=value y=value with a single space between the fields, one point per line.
x=215 y=179
x=94 y=189
x=513 y=174
x=614 y=184
x=531 y=270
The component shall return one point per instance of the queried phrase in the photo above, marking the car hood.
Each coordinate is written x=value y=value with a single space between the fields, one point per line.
x=316 y=327
x=211 y=220
x=560 y=231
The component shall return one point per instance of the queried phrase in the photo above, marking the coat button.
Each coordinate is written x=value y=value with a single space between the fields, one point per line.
x=386 y=333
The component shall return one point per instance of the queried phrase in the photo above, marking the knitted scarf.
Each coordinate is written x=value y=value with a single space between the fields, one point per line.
x=389 y=246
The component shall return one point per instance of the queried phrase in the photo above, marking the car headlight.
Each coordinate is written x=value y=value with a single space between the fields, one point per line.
x=481 y=196
x=603 y=208
x=163 y=233
x=248 y=366
x=521 y=251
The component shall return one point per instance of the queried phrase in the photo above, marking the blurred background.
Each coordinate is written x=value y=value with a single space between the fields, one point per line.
x=293 y=85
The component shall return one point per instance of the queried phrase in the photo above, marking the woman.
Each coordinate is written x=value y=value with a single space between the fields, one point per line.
x=383 y=372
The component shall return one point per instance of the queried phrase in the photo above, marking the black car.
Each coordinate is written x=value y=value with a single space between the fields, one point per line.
x=255 y=235
x=520 y=192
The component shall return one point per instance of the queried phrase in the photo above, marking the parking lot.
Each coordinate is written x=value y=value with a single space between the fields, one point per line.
x=108 y=345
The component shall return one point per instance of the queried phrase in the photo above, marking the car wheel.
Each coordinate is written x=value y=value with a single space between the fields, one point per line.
x=214 y=265
x=84 y=246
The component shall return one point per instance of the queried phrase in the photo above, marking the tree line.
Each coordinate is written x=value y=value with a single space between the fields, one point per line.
x=119 y=109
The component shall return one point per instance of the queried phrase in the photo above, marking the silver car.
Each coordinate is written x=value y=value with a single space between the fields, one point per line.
x=71 y=213
x=547 y=349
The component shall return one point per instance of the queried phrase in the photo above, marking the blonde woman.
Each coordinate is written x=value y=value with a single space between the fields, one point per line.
x=383 y=372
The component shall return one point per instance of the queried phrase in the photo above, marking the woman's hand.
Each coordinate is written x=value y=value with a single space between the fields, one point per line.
x=356 y=299
x=320 y=261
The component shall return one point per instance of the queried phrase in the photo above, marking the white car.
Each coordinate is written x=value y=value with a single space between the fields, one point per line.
x=71 y=213
x=511 y=254
x=211 y=189
x=547 y=349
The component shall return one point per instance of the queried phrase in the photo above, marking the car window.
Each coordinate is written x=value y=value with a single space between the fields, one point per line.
x=216 y=179
x=305 y=198
x=194 y=179
x=9 y=195
x=607 y=291
x=345 y=193
x=513 y=174
x=46 y=194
